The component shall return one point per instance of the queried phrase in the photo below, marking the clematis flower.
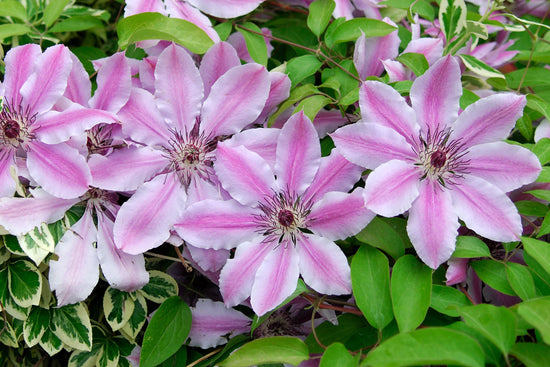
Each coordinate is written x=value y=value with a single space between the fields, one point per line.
x=283 y=219
x=439 y=165
x=34 y=132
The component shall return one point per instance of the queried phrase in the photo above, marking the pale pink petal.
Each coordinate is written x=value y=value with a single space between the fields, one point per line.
x=488 y=119
x=433 y=224
x=179 y=90
x=7 y=182
x=543 y=130
x=122 y=271
x=237 y=276
x=145 y=220
x=504 y=165
x=391 y=188
x=435 y=95
x=382 y=104
x=56 y=127
x=79 y=87
x=339 y=215
x=114 y=84
x=235 y=100
x=335 y=173
x=147 y=73
x=200 y=189
x=323 y=265
x=125 y=169
x=74 y=275
x=237 y=40
x=59 y=169
x=262 y=141
x=276 y=278
x=370 y=51
x=396 y=71
x=181 y=9
x=326 y=121
x=216 y=224
x=298 y=154
x=344 y=8
x=134 y=7
x=142 y=121
x=209 y=259
x=487 y=210
x=19 y=66
x=369 y=145
x=431 y=48
x=278 y=92
x=48 y=81
x=226 y=8
x=457 y=272
x=217 y=61
x=20 y=215
x=213 y=323
x=244 y=174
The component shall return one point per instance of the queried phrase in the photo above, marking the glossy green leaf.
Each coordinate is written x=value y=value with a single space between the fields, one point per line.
x=77 y=23
x=9 y=30
x=255 y=42
x=531 y=77
x=531 y=354
x=312 y=105
x=416 y=62
x=351 y=30
x=521 y=280
x=166 y=331
x=411 y=289
x=296 y=94
x=118 y=307
x=494 y=274
x=387 y=234
x=276 y=349
x=160 y=287
x=72 y=325
x=53 y=10
x=337 y=355
x=541 y=194
x=35 y=325
x=537 y=313
x=470 y=246
x=542 y=150
x=538 y=250
x=452 y=17
x=320 y=12
x=448 y=300
x=301 y=67
x=428 y=346
x=531 y=208
x=538 y=104
x=544 y=226
x=12 y=8
x=370 y=278
x=25 y=283
x=146 y=26
x=224 y=29
x=497 y=324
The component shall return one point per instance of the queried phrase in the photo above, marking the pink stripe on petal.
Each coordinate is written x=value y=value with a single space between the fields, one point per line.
x=216 y=224
x=237 y=276
x=298 y=154
x=7 y=182
x=226 y=8
x=59 y=169
x=504 y=165
x=262 y=141
x=179 y=89
x=208 y=259
x=19 y=66
x=369 y=52
x=75 y=274
x=276 y=278
x=244 y=174
x=236 y=99
x=279 y=91
x=114 y=84
x=79 y=87
x=382 y=104
x=435 y=95
x=339 y=215
x=145 y=220
x=487 y=210
x=391 y=188
x=488 y=119
x=217 y=61
x=433 y=224
x=48 y=81
x=324 y=266
x=457 y=272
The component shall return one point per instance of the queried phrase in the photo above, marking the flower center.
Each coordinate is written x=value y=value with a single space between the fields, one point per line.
x=11 y=129
x=286 y=218
x=438 y=158
x=14 y=125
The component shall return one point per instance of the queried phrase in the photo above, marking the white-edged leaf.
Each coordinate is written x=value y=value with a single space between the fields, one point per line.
x=35 y=325
x=25 y=283
x=131 y=329
x=118 y=307
x=480 y=68
x=160 y=287
x=452 y=17
x=72 y=325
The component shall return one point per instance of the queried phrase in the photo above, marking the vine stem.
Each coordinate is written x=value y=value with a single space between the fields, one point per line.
x=204 y=357
x=315 y=302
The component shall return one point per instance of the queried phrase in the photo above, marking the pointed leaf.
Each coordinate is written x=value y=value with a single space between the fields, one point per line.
x=337 y=355
x=414 y=61
x=531 y=354
x=137 y=319
x=25 y=283
x=320 y=12
x=35 y=325
x=160 y=287
x=470 y=246
x=537 y=313
x=13 y=8
x=539 y=250
x=387 y=234
x=448 y=300
x=109 y=354
x=480 y=68
x=7 y=337
x=9 y=30
x=452 y=17
x=72 y=326
x=494 y=274
x=351 y=30
x=118 y=307
x=521 y=280
x=53 y=11
x=255 y=43
x=301 y=67
x=38 y=243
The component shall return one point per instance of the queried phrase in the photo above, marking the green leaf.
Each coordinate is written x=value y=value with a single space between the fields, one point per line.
x=448 y=300
x=224 y=29
x=296 y=95
x=541 y=194
x=542 y=150
x=370 y=279
x=538 y=250
x=146 y=26
x=532 y=77
x=521 y=280
x=77 y=23
x=9 y=30
x=137 y=320
x=494 y=274
x=544 y=226
x=337 y=355
x=411 y=289
x=351 y=30
x=7 y=337
x=25 y=283
x=469 y=247
x=497 y=324
x=50 y=342
x=480 y=68
x=166 y=331
x=255 y=42
x=276 y=349
x=429 y=346
x=13 y=8
x=452 y=17
x=118 y=307
x=72 y=325
x=320 y=12
x=416 y=62
x=53 y=11
x=312 y=105
x=387 y=234
x=531 y=354
x=537 y=313
x=35 y=325
x=177 y=359
x=538 y=104
x=301 y=67
x=160 y=287
x=529 y=208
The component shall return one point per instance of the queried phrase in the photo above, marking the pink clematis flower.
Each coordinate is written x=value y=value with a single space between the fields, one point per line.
x=34 y=131
x=283 y=220
x=437 y=164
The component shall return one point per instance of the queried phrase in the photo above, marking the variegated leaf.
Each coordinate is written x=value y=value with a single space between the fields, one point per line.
x=131 y=329
x=480 y=68
x=24 y=283
x=50 y=342
x=8 y=336
x=84 y=359
x=72 y=325
x=160 y=287
x=118 y=307
x=35 y=325
x=109 y=354
x=452 y=17
x=4 y=253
